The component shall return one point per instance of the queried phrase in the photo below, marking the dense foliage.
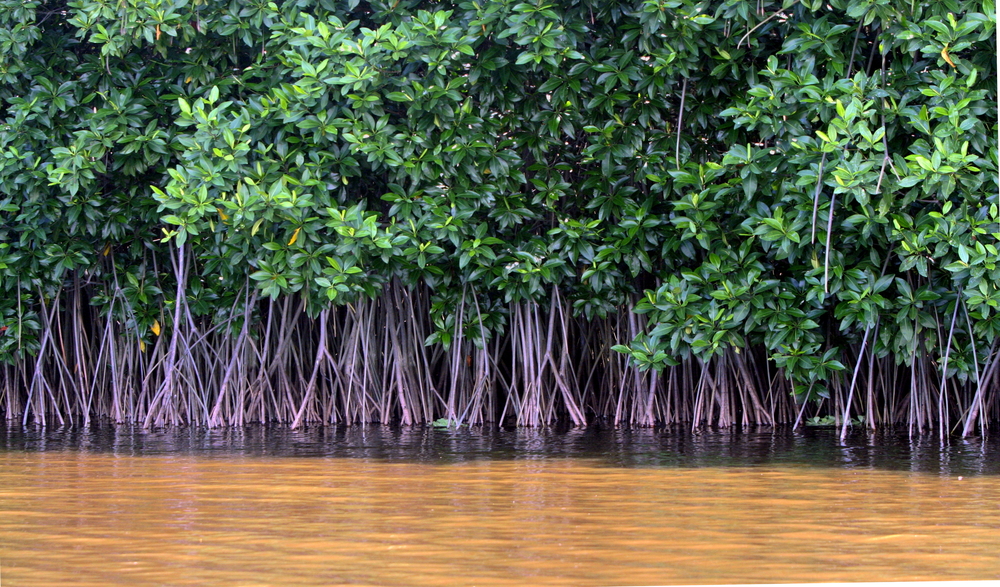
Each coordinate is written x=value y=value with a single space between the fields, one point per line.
x=761 y=192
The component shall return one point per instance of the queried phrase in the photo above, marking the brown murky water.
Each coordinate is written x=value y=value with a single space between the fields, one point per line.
x=73 y=517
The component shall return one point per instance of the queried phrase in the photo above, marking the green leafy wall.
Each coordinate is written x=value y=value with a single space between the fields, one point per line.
x=796 y=191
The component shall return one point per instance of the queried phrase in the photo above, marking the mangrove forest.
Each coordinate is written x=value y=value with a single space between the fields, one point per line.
x=516 y=212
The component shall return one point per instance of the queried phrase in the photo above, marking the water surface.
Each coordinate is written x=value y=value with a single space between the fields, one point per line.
x=379 y=506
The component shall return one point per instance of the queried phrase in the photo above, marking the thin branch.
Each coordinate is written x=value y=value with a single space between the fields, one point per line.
x=819 y=189
x=763 y=22
x=680 y=121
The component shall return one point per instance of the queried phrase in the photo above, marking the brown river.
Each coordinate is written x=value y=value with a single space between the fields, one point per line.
x=518 y=508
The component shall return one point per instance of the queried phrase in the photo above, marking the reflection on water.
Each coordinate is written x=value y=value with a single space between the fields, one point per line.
x=619 y=448
x=422 y=507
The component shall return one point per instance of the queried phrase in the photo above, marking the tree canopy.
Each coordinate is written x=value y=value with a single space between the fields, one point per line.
x=813 y=181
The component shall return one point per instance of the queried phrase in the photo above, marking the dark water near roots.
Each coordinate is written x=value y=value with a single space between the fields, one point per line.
x=659 y=448
x=384 y=506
